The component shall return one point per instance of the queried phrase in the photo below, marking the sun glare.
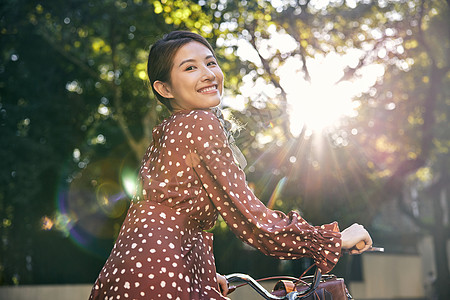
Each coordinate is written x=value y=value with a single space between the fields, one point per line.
x=324 y=100
x=317 y=106
x=320 y=103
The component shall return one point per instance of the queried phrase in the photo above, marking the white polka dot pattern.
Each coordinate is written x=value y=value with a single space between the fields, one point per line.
x=188 y=176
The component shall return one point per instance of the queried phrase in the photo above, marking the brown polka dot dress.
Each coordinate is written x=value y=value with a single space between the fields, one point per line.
x=188 y=177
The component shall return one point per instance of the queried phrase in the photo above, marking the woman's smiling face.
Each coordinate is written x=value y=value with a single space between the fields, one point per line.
x=196 y=80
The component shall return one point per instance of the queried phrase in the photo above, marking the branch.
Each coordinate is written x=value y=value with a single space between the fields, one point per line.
x=408 y=166
x=134 y=144
x=350 y=72
x=420 y=36
x=303 y=4
x=117 y=91
x=418 y=222
x=443 y=181
x=148 y=125
x=301 y=50
x=274 y=79
x=431 y=98
x=73 y=59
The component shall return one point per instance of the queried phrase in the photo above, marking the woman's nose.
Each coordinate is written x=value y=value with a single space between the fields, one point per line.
x=208 y=74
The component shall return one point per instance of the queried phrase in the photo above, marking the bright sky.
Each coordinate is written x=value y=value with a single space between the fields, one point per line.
x=318 y=104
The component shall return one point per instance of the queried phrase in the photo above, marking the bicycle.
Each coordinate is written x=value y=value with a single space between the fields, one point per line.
x=300 y=288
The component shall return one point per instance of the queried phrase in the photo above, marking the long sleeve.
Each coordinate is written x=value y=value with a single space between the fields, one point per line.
x=286 y=236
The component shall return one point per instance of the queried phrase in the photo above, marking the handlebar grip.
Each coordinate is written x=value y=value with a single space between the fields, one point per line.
x=360 y=245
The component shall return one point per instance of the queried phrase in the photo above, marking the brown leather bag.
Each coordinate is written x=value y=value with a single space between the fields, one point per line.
x=317 y=287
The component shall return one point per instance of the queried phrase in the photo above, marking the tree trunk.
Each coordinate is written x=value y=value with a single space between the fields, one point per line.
x=443 y=275
x=440 y=251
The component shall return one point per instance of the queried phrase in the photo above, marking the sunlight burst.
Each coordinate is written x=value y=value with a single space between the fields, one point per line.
x=316 y=104
x=322 y=102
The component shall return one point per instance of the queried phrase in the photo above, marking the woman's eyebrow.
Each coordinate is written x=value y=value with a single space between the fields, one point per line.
x=193 y=60
x=186 y=61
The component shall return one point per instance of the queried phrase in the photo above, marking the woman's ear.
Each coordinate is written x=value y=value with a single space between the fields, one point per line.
x=163 y=89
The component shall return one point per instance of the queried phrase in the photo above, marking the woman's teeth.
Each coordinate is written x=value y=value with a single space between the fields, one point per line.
x=208 y=89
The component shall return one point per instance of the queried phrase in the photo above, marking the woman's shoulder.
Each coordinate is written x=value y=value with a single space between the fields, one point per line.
x=196 y=114
x=193 y=118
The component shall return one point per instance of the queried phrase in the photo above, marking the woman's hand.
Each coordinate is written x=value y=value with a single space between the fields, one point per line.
x=353 y=235
x=223 y=284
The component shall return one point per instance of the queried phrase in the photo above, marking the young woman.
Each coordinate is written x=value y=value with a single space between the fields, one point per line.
x=188 y=177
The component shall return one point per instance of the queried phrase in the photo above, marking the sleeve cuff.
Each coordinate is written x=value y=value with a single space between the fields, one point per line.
x=331 y=252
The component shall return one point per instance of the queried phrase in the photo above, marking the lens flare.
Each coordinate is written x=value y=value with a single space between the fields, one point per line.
x=92 y=202
x=128 y=176
x=63 y=223
x=108 y=196
x=129 y=180
x=82 y=219
x=276 y=192
x=91 y=207
x=46 y=223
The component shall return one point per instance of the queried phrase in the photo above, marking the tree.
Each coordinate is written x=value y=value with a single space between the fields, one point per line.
x=414 y=153
x=68 y=100
x=73 y=89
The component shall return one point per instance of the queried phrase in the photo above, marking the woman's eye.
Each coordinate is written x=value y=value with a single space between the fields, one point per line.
x=190 y=68
x=212 y=63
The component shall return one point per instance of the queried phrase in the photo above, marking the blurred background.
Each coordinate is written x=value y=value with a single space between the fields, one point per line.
x=343 y=107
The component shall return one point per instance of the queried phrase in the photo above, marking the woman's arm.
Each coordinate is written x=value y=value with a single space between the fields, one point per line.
x=272 y=232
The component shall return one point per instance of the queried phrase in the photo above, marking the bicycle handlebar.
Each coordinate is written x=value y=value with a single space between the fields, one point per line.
x=262 y=291
x=235 y=277
x=254 y=284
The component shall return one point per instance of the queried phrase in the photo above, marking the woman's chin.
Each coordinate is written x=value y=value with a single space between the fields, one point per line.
x=212 y=104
